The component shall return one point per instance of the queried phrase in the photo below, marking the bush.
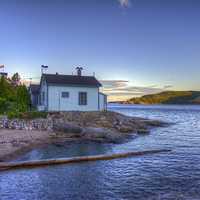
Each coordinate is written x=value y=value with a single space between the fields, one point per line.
x=33 y=115
x=3 y=105
x=13 y=115
x=22 y=98
x=14 y=96
x=27 y=115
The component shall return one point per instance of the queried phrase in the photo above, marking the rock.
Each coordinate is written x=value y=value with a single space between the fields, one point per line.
x=126 y=129
x=155 y=123
x=143 y=131
x=96 y=133
x=109 y=126
x=105 y=124
x=68 y=128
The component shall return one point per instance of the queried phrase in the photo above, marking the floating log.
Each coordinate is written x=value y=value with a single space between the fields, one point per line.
x=48 y=162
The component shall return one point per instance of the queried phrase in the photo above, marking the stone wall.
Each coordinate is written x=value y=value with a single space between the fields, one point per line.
x=20 y=124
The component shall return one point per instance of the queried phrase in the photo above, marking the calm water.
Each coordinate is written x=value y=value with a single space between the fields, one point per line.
x=168 y=176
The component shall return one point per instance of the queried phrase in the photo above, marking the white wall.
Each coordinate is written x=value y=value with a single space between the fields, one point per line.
x=44 y=89
x=57 y=103
x=102 y=101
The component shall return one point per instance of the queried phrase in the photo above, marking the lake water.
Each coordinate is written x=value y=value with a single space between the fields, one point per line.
x=167 y=176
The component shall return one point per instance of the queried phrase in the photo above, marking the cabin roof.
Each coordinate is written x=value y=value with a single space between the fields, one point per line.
x=60 y=79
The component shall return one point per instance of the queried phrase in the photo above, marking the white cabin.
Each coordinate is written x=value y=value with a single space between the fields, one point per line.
x=70 y=93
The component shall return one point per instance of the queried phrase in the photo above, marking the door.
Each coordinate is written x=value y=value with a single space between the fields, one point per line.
x=64 y=100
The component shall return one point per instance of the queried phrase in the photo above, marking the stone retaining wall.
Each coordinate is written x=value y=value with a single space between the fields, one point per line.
x=20 y=124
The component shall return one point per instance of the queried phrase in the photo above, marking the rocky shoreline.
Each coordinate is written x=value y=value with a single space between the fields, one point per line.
x=20 y=135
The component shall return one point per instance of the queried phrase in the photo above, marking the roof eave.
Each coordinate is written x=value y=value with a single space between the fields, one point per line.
x=74 y=85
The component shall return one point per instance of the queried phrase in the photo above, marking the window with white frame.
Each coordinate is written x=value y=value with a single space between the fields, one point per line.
x=82 y=98
x=65 y=94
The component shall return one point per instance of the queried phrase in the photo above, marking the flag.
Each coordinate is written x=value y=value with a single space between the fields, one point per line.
x=1 y=66
x=44 y=66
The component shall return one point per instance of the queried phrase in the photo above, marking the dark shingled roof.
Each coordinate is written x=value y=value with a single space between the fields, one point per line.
x=34 y=88
x=60 y=79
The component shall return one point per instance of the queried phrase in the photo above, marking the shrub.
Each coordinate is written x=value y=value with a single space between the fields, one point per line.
x=33 y=115
x=27 y=115
x=3 y=105
x=12 y=115
x=14 y=97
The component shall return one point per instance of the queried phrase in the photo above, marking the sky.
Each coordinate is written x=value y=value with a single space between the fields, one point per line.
x=135 y=47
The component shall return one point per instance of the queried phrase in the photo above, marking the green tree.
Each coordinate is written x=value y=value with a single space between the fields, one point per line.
x=3 y=105
x=14 y=97
x=6 y=90
x=15 y=79
x=22 y=99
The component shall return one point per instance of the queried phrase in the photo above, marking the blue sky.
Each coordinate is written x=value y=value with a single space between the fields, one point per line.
x=135 y=46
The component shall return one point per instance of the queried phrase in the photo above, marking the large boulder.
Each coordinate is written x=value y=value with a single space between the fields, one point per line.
x=68 y=128
x=101 y=133
x=126 y=129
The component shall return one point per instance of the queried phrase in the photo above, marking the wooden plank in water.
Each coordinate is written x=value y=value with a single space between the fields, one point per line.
x=48 y=162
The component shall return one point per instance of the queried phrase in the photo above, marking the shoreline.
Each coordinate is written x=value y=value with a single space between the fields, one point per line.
x=14 y=143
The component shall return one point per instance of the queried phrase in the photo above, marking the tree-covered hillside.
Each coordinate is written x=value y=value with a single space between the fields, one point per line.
x=168 y=97
x=14 y=96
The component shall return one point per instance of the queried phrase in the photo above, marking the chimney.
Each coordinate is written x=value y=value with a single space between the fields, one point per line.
x=79 y=71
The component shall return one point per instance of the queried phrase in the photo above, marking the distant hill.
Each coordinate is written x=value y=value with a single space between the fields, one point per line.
x=168 y=97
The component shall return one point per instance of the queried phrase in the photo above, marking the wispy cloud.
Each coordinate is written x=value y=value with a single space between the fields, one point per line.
x=125 y=3
x=122 y=90
x=168 y=86
x=114 y=83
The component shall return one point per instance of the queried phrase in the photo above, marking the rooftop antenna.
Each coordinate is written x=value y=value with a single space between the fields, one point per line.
x=79 y=71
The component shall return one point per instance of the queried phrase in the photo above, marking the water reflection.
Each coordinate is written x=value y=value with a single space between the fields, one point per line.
x=68 y=149
x=168 y=176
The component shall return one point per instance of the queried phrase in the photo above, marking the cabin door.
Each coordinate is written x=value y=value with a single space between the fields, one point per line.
x=64 y=101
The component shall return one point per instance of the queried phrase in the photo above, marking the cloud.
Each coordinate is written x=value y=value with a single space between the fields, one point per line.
x=124 y=3
x=167 y=87
x=122 y=90
x=114 y=83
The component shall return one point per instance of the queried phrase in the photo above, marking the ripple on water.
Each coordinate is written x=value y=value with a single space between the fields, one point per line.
x=167 y=176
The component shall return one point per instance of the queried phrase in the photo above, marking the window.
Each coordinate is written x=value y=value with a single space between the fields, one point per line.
x=65 y=94
x=82 y=98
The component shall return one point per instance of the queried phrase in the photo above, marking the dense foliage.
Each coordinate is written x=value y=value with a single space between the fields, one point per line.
x=169 y=97
x=14 y=96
